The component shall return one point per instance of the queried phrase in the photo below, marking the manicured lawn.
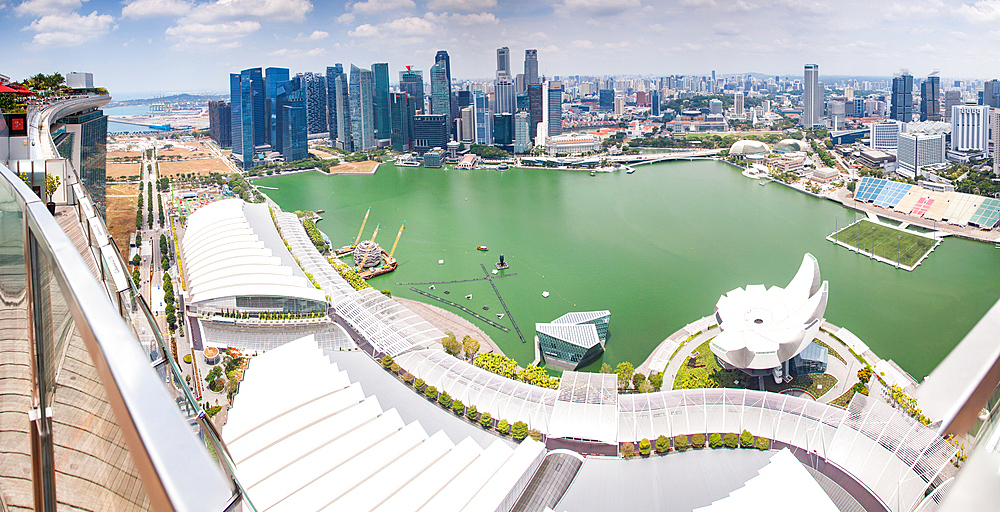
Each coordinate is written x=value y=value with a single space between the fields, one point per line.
x=886 y=242
x=809 y=383
x=831 y=350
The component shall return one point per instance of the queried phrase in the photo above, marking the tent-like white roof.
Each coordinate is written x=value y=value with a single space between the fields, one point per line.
x=762 y=328
x=586 y=407
x=224 y=255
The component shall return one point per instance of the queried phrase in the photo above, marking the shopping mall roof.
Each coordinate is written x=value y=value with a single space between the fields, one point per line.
x=232 y=248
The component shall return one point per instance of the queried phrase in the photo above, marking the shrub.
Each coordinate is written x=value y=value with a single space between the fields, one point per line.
x=746 y=439
x=471 y=412
x=715 y=440
x=698 y=440
x=535 y=434
x=386 y=361
x=628 y=449
x=681 y=442
x=644 y=445
x=730 y=440
x=458 y=407
x=662 y=444
x=503 y=427
x=485 y=419
x=408 y=378
x=431 y=392
x=419 y=384
x=444 y=399
x=763 y=443
x=212 y=411
x=187 y=358
x=519 y=430
x=395 y=368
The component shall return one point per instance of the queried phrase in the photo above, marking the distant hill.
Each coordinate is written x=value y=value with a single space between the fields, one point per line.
x=174 y=98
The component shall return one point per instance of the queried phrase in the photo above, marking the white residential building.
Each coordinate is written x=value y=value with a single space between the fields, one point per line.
x=917 y=151
x=970 y=128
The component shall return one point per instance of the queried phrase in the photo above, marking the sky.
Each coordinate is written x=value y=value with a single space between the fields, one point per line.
x=137 y=47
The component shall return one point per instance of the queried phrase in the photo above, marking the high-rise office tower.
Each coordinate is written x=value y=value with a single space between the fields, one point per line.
x=248 y=124
x=991 y=94
x=606 y=99
x=503 y=62
x=519 y=83
x=738 y=105
x=441 y=91
x=553 y=108
x=531 y=67
x=274 y=78
x=916 y=151
x=219 y=123
x=714 y=84
x=412 y=81
x=535 y=94
x=430 y=131
x=812 y=97
x=345 y=129
x=930 y=99
x=401 y=107
x=503 y=129
x=316 y=102
x=654 y=100
x=522 y=141
x=506 y=103
x=714 y=106
x=362 y=103
x=483 y=118
x=468 y=124
x=970 y=127
x=383 y=127
x=442 y=56
x=952 y=97
x=901 y=108
x=332 y=72
x=995 y=123
x=293 y=123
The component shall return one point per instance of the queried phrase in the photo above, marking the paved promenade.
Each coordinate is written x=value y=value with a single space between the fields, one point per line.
x=448 y=321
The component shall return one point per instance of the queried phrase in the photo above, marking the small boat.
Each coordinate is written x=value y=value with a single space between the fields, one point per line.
x=431 y=287
x=320 y=211
x=503 y=167
x=482 y=248
x=630 y=171
x=486 y=308
x=446 y=292
x=440 y=262
x=592 y=174
x=545 y=294
x=469 y=296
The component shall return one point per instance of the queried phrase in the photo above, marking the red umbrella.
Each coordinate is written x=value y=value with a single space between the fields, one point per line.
x=15 y=89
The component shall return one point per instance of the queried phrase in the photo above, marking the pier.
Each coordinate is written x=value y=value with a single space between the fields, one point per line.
x=502 y=303
x=463 y=308
x=458 y=280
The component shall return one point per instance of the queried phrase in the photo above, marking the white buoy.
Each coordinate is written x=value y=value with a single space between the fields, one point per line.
x=431 y=287
x=495 y=271
x=545 y=294
x=469 y=296
x=499 y=316
x=440 y=262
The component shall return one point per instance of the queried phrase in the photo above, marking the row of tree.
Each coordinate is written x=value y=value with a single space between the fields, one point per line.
x=627 y=375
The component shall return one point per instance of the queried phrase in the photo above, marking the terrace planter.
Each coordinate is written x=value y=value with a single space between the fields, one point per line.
x=51 y=206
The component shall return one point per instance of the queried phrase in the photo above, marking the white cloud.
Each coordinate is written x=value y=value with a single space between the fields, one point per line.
x=727 y=28
x=576 y=8
x=410 y=26
x=581 y=43
x=288 y=52
x=345 y=18
x=241 y=10
x=41 y=7
x=983 y=11
x=377 y=6
x=317 y=35
x=212 y=35
x=70 y=29
x=316 y=52
x=486 y=18
x=150 y=8
x=365 y=30
x=461 y=5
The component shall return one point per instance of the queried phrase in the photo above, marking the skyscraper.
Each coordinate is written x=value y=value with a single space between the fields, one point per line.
x=503 y=129
x=442 y=56
x=401 y=107
x=738 y=105
x=430 y=131
x=332 y=72
x=952 y=97
x=522 y=142
x=553 y=109
x=383 y=130
x=274 y=78
x=930 y=99
x=362 y=106
x=441 y=92
x=654 y=100
x=249 y=127
x=316 y=101
x=293 y=123
x=970 y=127
x=220 y=123
x=991 y=94
x=412 y=81
x=606 y=99
x=483 y=118
x=531 y=67
x=506 y=103
x=503 y=62
x=345 y=134
x=535 y=107
x=812 y=97
x=902 y=98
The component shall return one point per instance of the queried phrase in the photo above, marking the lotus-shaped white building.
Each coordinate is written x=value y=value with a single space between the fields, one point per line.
x=764 y=328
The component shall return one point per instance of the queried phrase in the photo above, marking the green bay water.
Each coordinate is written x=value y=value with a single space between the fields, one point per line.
x=657 y=248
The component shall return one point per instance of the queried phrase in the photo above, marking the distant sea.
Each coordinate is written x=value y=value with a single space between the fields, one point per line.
x=114 y=127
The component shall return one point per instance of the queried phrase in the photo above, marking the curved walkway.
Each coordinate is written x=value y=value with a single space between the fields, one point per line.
x=448 y=321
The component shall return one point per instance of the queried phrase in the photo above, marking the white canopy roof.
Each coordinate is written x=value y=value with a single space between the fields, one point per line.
x=224 y=256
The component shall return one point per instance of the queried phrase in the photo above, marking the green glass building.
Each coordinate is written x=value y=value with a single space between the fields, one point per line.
x=574 y=339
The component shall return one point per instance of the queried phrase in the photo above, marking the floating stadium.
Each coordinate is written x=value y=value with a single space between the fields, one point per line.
x=955 y=208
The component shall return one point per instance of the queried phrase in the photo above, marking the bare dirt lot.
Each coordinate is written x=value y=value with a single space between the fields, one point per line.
x=176 y=152
x=200 y=167
x=124 y=154
x=365 y=167
x=121 y=203
x=120 y=171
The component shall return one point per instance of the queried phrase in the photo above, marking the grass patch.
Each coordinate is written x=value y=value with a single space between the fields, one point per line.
x=886 y=242
x=843 y=400
x=201 y=167
x=808 y=383
x=831 y=350
x=705 y=367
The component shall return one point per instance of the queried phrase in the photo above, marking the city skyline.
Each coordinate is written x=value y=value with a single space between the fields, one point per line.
x=176 y=45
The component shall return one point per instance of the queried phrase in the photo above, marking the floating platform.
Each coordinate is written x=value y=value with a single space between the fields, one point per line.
x=347 y=249
x=388 y=266
x=502 y=266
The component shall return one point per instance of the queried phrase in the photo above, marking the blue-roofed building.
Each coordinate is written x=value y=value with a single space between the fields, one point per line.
x=573 y=339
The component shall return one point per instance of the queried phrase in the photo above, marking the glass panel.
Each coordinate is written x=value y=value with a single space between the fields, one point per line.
x=92 y=465
x=15 y=360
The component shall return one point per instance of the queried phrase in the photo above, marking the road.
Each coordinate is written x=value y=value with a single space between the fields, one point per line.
x=221 y=156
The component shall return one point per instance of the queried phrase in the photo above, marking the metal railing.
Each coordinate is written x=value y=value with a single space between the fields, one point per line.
x=166 y=439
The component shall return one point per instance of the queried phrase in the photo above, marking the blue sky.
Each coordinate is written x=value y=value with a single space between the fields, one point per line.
x=144 y=46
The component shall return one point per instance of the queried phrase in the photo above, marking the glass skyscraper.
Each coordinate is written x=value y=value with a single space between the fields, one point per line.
x=902 y=98
x=412 y=81
x=219 y=119
x=554 y=107
x=294 y=125
x=362 y=106
x=383 y=131
x=441 y=91
x=274 y=78
x=332 y=74
x=930 y=99
x=246 y=98
x=534 y=108
x=401 y=106
x=483 y=116
x=316 y=102
x=531 y=67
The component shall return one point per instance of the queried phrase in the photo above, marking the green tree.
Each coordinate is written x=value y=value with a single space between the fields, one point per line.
x=624 y=371
x=715 y=440
x=444 y=399
x=645 y=446
x=471 y=412
x=431 y=392
x=628 y=449
x=458 y=407
x=763 y=443
x=519 y=430
x=503 y=427
x=135 y=276
x=485 y=419
x=470 y=347
x=136 y=260
x=681 y=442
x=730 y=440
x=386 y=361
x=419 y=384
x=138 y=240
x=387 y=293
x=165 y=263
x=606 y=368
x=746 y=439
x=638 y=379
x=149 y=219
x=662 y=444
x=698 y=440
x=451 y=345
x=656 y=379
